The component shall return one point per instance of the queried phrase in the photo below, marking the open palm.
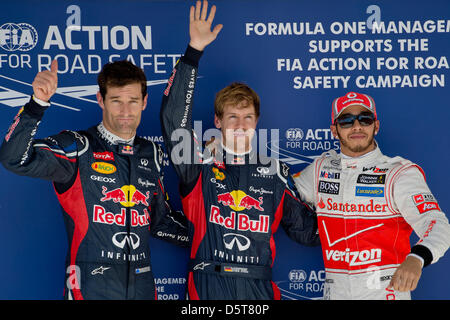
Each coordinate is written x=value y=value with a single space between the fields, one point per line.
x=200 y=26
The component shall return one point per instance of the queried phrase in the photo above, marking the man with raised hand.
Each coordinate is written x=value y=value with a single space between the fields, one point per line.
x=108 y=182
x=234 y=198
x=367 y=206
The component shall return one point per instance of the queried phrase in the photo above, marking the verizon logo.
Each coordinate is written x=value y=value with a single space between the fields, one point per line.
x=354 y=258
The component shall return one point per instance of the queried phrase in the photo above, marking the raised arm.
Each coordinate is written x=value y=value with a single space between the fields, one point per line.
x=184 y=149
x=53 y=158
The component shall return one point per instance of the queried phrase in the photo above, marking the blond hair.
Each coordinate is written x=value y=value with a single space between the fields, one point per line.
x=234 y=94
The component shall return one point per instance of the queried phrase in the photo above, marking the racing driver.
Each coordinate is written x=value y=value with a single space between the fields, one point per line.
x=367 y=206
x=108 y=182
x=234 y=199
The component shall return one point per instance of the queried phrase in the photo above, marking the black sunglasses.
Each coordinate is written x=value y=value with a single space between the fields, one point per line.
x=347 y=120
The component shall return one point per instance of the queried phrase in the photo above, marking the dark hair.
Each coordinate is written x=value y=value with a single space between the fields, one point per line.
x=234 y=94
x=119 y=74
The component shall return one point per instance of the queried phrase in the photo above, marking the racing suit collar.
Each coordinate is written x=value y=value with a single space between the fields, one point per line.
x=229 y=151
x=364 y=160
x=228 y=156
x=111 y=138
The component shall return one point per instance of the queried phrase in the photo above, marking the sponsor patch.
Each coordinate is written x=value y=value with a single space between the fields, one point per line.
x=369 y=191
x=107 y=156
x=330 y=175
x=235 y=269
x=376 y=169
x=422 y=197
x=329 y=187
x=142 y=270
x=427 y=206
x=103 y=167
x=218 y=174
x=371 y=179
x=425 y=202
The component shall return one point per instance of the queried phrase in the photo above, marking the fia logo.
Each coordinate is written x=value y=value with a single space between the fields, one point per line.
x=20 y=36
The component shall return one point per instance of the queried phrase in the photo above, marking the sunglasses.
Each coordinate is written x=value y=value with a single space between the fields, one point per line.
x=347 y=120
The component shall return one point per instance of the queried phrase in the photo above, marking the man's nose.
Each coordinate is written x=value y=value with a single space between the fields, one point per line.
x=241 y=123
x=125 y=109
x=356 y=125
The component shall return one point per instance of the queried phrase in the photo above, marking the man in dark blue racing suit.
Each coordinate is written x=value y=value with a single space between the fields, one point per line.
x=233 y=198
x=108 y=182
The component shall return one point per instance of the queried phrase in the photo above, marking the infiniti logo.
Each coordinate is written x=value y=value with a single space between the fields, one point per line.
x=263 y=170
x=120 y=238
x=242 y=242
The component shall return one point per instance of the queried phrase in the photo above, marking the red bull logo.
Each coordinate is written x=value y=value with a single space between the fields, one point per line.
x=126 y=149
x=238 y=200
x=127 y=196
x=239 y=221
x=100 y=215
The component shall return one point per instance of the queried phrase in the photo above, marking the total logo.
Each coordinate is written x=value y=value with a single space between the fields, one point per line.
x=127 y=196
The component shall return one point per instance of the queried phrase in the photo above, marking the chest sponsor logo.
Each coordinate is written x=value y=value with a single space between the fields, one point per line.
x=369 y=191
x=103 y=167
x=126 y=149
x=106 y=156
x=238 y=200
x=127 y=196
x=145 y=183
x=330 y=175
x=100 y=215
x=103 y=179
x=219 y=175
x=239 y=221
x=371 y=179
x=375 y=169
x=329 y=187
x=342 y=207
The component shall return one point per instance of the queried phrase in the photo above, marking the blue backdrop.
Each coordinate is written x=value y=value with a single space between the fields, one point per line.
x=298 y=55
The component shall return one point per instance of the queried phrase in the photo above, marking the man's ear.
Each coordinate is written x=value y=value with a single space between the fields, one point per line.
x=217 y=122
x=334 y=131
x=145 y=102
x=100 y=100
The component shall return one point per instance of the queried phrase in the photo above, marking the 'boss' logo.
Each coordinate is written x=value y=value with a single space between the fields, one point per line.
x=329 y=187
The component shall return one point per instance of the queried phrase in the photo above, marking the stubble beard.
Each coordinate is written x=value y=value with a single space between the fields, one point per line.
x=360 y=147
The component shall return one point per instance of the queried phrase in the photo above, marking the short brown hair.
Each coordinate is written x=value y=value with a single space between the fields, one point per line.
x=121 y=73
x=234 y=94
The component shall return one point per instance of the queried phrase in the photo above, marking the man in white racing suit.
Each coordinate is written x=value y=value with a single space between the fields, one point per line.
x=367 y=206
